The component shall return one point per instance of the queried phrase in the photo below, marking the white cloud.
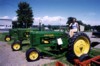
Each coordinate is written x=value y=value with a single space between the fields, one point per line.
x=5 y=17
x=50 y=20
x=14 y=18
x=91 y=22
x=57 y=20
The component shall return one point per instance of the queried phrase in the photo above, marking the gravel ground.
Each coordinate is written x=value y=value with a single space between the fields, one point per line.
x=11 y=58
x=93 y=39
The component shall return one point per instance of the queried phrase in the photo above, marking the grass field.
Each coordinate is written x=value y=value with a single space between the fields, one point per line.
x=2 y=35
x=26 y=46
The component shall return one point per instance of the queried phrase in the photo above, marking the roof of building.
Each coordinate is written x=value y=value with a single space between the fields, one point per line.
x=7 y=19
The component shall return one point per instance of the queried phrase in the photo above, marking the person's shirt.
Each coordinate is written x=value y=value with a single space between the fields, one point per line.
x=74 y=25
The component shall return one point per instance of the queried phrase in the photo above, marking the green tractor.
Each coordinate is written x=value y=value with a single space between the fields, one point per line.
x=57 y=44
x=12 y=34
x=23 y=34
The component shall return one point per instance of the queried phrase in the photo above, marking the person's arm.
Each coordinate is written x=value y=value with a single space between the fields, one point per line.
x=70 y=25
x=78 y=27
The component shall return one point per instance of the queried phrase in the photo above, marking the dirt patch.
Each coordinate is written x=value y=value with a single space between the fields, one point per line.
x=11 y=58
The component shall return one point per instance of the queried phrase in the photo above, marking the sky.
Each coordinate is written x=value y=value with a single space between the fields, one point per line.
x=55 y=12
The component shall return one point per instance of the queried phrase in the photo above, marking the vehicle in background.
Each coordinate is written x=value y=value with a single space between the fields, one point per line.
x=95 y=33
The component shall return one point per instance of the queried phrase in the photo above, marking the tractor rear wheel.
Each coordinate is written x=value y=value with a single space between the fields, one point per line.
x=79 y=46
x=16 y=46
x=7 y=38
x=32 y=55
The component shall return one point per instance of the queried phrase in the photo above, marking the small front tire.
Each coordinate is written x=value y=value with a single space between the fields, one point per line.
x=16 y=46
x=32 y=55
x=7 y=38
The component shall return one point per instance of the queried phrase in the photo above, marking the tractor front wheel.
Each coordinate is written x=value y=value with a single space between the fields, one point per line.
x=32 y=55
x=16 y=46
x=7 y=38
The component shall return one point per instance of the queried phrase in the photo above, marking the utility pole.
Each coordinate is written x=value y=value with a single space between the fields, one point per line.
x=40 y=21
x=60 y=24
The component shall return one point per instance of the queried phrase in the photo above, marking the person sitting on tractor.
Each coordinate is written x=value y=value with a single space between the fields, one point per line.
x=74 y=27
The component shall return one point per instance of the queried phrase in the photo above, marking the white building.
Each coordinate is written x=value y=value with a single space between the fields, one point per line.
x=5 y=24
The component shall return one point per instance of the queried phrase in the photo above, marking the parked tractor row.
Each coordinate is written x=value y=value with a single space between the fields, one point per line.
x=51 y=43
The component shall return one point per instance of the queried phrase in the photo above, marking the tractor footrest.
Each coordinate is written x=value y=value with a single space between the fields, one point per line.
x=94 y=60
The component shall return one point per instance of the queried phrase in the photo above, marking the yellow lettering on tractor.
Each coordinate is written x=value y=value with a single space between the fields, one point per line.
x=51 y=35
x=46 y=42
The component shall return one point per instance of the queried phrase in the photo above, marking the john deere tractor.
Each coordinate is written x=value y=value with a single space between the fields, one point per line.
x=12 y=34
x=57 y=44
x=22 y=34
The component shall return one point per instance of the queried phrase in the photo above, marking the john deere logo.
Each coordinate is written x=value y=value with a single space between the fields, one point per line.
x=48 y=35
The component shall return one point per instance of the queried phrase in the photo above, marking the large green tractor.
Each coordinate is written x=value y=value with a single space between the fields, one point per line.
x=12 y=34
x=23 y=34
x=57 y=44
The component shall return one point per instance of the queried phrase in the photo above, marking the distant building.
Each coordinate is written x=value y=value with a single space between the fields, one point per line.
x=5 y=24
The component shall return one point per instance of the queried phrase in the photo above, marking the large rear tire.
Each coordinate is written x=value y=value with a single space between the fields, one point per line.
x=79 y=46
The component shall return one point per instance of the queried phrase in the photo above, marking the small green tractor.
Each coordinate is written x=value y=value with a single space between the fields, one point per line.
x=57 y=44
x=22 y=34
x=12 y=34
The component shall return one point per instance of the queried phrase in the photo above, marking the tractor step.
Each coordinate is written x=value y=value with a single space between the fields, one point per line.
x=95 y=60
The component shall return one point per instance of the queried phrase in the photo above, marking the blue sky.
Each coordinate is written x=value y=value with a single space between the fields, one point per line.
x=55 y=11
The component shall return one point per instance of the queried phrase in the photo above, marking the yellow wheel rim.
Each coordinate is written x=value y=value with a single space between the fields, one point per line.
x=8 y=39
x=81 y=46
x=27 y=35
x=16 y=46
x=33 y=55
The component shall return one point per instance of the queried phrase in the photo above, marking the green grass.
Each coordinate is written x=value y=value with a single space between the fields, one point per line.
x=50 y=64
x=2 y=36
x=95 y=52
x=25 y=48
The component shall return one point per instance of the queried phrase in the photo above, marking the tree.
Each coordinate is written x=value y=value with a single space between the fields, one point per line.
x=80 y=22
x=25 y=16
x=96 y=27
x=14 y=24
x=50 y=27
x=87 y=27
